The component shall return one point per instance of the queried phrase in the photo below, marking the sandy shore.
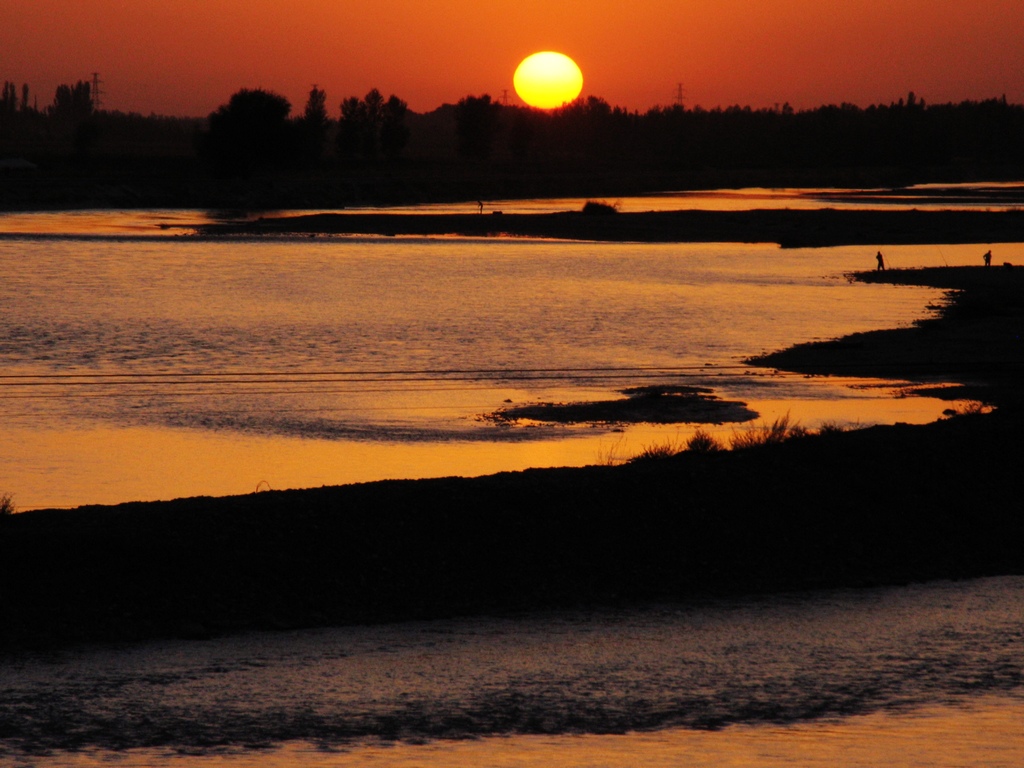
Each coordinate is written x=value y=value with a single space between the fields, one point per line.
x=879 y=505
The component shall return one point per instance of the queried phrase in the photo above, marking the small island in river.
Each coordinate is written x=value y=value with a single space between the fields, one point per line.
x=658 y=404
x=789 y=228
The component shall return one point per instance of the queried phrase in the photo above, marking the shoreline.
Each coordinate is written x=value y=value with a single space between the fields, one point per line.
x=974 y=341
x=883 y=505
x=789 y=228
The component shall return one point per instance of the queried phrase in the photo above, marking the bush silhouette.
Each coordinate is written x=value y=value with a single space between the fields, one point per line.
x=598 y=208
x=703 y=442
x=779 y=431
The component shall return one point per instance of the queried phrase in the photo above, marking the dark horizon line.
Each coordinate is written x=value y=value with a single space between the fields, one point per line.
x=910 y=99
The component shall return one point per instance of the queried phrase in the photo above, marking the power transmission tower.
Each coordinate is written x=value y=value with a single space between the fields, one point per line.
x=504 y=96
x=679 y=94
x=96 y=82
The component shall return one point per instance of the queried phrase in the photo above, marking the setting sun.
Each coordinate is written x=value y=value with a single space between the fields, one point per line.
x=547 y=80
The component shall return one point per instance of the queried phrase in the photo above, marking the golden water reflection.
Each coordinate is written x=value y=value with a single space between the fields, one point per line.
x=109 y=464
x=144 y=369
x=985 y=733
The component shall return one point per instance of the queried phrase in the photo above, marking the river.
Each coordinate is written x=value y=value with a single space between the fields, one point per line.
x=140 y=363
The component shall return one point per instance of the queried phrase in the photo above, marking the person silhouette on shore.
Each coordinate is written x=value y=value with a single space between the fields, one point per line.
x=480 y=206
x=988 y=259
x=880 y=260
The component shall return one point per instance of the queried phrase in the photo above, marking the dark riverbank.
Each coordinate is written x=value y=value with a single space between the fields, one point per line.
x=127 y=181
x=790 y=228
x=978 y=340
x=880 y=505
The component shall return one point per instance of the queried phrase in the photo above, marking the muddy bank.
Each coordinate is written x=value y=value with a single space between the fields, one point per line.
x=134 y=180
x=880 y=505
x=789 y=228
x=977 y=338
x=640 y=405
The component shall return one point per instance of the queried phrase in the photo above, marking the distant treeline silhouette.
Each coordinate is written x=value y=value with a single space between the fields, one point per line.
x=589 y=131
x=253 y=131
x=71 y=121
x=905 y=133
x=256 y=131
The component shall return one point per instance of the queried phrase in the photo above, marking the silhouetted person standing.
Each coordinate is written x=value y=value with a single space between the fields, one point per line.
x=988 y=259
x=880 y=260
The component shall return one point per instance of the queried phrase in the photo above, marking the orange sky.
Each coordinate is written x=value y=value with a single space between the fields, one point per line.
x=185 y=57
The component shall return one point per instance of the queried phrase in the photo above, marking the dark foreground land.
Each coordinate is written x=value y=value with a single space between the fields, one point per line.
x=879 y=505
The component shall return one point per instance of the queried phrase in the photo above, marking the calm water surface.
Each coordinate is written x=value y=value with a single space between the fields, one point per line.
x=920 y=675
x=158 y=367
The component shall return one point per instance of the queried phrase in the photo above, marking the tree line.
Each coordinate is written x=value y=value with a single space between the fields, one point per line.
x=253 y=130
x=71 y=103
x=71 y=120
x=905 y=133
x=256 y=131
x=67 y=115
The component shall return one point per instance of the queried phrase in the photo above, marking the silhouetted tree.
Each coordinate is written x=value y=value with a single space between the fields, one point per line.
x=356 y=129
x=9 y=100
x=349 y=128
x=591 y=128
x=371 y=126
x=522 y=130
x=476 y=125
x=373 y=114
x=251 y=131
x=316 y=107
x=72 y=103
x=313 y=126
x=394 y=133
